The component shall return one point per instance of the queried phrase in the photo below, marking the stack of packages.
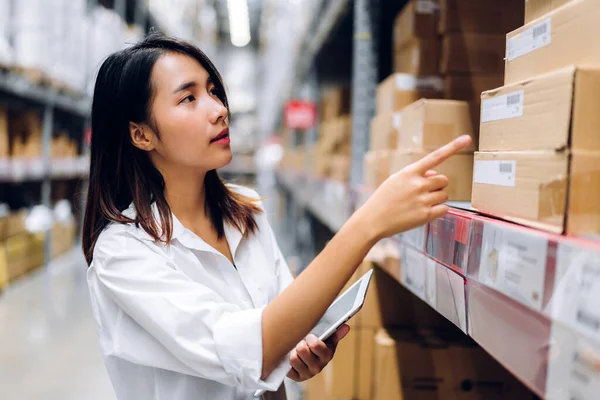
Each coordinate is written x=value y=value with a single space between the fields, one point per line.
x=20 y=251
x=399 y=348
x=540 y=142
x=24 y=135
x=332 y=153
x=62 y=146
x=293 y=158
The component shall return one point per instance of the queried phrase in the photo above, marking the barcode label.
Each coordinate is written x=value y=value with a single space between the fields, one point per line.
x=426 y=6
x=495 y=172
x=503 y=107
x=506 y=168
x=411 y=82
x=529 y=40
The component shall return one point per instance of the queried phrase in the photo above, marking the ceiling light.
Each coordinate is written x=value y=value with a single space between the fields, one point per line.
x=239 y=22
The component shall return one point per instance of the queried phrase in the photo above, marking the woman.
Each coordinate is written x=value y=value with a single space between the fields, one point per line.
x=192 y=297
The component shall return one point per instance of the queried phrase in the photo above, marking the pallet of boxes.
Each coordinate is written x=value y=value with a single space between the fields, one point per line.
x=539 y=153
x=332 y=153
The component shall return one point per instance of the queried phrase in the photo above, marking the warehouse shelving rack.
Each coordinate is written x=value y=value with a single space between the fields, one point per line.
x=17 y=90
x=545 y=327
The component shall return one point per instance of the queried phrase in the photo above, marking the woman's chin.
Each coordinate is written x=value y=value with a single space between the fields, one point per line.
x=224 y=160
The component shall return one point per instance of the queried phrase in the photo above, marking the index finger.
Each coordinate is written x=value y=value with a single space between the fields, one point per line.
x=440 y=155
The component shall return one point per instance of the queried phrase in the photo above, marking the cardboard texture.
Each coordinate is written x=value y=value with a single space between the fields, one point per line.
x=418 y=57
x=418 y=19
x=529 y=188
x=413 y=365
x=399 y=90
x=339 y=168
x=3 y=267
x=4 y=137
x=376 y=167
x=384 y=131
x=538 y=8
x=335 y=103
x=472 y=53
x=428 y=124
x=549 y=112
x=584 y=195
x=561 y=38
x=458 y=169
x=470 y=87
x=341 y=373
x=482 y=16
x=366 y=363
x=315 y=388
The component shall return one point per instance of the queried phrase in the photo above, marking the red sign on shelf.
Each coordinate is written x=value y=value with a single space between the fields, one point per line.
x=300 y=114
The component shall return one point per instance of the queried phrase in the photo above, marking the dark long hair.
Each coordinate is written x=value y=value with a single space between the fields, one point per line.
x=120 y=173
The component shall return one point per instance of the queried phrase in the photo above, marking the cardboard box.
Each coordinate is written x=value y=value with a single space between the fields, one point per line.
x=366 y=363
x=458 y=169
x=339 y=168
x=418 y=19
x=377 y=167
x=399 y=90
x=15 y=223
x=413 y=365
x=470 y=87
x=4 y=137
x=472 y=53
x=384 y=131
x=3 y=266
x=341 y=373
x=549 y=112
x=531 y=188
x=429 y=124
x=419 y=57
x=583 y=216
x=538 y=8
x=561 y=38
x=336 y=102
x=315 y=388
x=482 y=16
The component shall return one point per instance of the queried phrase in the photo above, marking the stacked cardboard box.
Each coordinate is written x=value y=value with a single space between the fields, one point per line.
x=62 y=146
x=332 y=153
x=539 y=147
x=25 y=134
x=473 y=41
x=4 y=137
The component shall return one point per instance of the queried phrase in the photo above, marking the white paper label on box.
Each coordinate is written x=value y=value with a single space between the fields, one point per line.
x=412 y=271
x=412 y=82
x=426 y=6
x=573 y=362
x=503 y=107
x=495 y=172
x=529 y=40
x=577 y=289
x=514 y=263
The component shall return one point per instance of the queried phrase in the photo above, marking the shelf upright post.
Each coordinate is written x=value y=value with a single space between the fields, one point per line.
x=140 y=17
x=364 y=82
x=47 y=128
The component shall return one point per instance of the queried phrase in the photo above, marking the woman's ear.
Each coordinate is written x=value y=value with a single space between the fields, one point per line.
x=142 y=136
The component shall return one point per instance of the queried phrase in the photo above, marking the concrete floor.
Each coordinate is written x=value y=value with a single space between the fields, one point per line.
x=48 y=343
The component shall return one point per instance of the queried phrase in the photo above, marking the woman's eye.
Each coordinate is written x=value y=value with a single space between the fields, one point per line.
x=214 y=91
x=188 y=99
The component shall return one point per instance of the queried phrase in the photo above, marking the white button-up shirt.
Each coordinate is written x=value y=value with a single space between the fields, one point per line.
x=179 y=322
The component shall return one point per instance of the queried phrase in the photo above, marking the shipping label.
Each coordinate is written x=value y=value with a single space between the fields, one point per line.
x=426 y=6
x=503 y=107
x=495 y=172
x=529 y=40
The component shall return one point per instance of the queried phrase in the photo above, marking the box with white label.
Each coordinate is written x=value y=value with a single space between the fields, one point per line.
x=399 y=90
x=566 y=36
x=418 y=57
x=554 y=191
x=553 y=111
x=417 y=20
x=384 y=131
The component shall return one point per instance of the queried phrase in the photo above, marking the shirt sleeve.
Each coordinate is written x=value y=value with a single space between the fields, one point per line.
x=203 y=335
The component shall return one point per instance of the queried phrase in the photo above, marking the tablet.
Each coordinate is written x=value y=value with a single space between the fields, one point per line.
x=340 y=311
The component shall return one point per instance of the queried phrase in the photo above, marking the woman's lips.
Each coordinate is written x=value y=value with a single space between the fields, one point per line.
x=222 y=138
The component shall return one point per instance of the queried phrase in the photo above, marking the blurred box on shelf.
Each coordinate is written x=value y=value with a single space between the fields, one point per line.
x=417 y=20
x=4 y=136
x=549 y=112
x=63 y=237
x=335 y=102
x=399 y=90
x=469 y=87
x=418 y=57
x=340 y=374
x=339 y=168
x=458 y=169
x=537 y=8
x=428 y=124
x=377 y=167
x=384 y=131
x=3 y=266
x=335 y=135
x=316 y=388
x=24 y=252
x=449 y=240
x=472 y=53
x=25 y=132
x=14 y=223
x=562 y=38
x=482 y=16
x=424 y=365
x=547 y=190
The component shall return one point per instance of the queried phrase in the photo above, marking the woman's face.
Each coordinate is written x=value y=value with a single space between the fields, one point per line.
x=191 y=120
